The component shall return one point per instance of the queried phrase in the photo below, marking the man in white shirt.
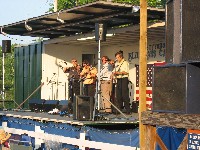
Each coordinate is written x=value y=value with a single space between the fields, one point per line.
x=106 y=85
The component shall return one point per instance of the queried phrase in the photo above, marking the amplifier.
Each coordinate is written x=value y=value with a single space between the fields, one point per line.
x=36 y=105
x=50 y=105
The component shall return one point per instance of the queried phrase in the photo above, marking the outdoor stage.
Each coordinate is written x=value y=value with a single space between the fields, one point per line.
x=114 y=133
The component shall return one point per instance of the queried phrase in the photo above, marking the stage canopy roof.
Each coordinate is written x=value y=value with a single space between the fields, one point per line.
x=81 y=20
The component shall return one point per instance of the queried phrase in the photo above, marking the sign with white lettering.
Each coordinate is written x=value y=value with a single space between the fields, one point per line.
x=153 y=51
x=193 y=139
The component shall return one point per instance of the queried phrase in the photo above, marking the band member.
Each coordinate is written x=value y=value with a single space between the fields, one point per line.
x=88 y=75
x=74 y=70
x=73 y=78
x=106 y=85
x=121 y=72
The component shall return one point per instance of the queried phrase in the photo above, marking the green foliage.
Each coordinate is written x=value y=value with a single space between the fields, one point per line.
x=156 y=3
x=39 y=39
x=63 y=4
x=134 y=2
x=8 y=76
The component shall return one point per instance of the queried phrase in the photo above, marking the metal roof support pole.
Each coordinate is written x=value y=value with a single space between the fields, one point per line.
x=3 y=91
x=142 y=70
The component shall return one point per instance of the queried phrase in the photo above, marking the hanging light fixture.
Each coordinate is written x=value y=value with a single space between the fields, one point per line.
x=3 y=32
x=28 y=28
x=60 y=20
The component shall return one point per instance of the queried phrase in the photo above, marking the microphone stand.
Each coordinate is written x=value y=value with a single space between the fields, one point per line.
x=115 y=82
x=52 y=82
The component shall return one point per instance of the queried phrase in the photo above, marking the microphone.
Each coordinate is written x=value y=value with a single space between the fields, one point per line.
x=115 y=60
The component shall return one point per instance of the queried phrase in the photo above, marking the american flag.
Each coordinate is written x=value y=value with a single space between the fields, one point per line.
x=149 y=83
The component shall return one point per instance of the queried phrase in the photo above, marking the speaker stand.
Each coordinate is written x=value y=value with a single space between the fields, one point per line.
x=98 y=81
x=98 y=92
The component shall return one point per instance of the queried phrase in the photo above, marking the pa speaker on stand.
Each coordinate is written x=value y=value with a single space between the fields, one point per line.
x=100 y=31
x=6 y=46
x=100 y=35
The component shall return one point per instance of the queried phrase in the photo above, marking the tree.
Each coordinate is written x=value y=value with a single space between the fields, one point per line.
x=151 y=3
x=8 y=76
x=64 y=4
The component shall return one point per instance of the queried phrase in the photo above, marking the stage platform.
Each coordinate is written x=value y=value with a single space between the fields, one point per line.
x=115 y=132
x=45 y=117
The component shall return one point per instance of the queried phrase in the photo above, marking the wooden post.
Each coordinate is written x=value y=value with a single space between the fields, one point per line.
x=151 y=137
x=160 y=142
x=183 y=145
x=55 y=5
x=142 y=70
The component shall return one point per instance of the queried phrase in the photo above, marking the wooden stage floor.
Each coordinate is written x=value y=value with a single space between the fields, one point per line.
x=45 y=117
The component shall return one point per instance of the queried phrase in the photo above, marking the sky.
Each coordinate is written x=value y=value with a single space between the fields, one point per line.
x=12 y=11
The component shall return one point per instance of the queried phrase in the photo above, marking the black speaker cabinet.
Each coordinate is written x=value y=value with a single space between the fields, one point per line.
x=100 y=31
x=176 y=88
x=83 y=108
x=182 y=28
x=50 y=105
x=6 y=46
x=36 y=105
x=63 y=105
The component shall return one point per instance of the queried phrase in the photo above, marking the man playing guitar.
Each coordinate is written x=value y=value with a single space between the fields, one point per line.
x=88 y=74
